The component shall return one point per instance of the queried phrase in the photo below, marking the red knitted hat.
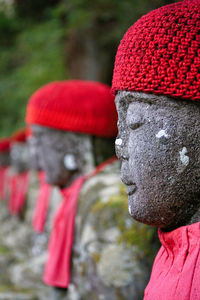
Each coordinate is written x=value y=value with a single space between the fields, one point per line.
x=4 y=144
x=160 y=53
x=74 y=105
x=19 y=136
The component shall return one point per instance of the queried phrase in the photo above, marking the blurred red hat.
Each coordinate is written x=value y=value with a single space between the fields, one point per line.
x=74 y=105
x=5 y=144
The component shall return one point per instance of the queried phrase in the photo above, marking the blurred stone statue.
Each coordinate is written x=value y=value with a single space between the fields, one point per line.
x=4 y=166
x=74 y=125
x=19 y=152
x=157 y=85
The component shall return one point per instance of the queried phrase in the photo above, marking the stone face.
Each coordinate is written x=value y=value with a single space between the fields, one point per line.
x=158 y=144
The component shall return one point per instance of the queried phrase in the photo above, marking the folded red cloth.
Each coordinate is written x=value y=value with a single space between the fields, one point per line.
x=3 y=181
x=42 y=204
x=57 y=268
x=18 y=192
x=176 y=270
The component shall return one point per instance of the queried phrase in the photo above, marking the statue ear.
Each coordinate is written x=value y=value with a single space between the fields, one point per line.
x=70 y=162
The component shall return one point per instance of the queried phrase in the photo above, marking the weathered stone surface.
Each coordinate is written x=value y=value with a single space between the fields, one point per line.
x=110 y=261
x=112 y=254
x=16 y=296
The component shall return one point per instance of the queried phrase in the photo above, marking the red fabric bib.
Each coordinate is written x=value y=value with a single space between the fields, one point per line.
x=18 y=192
x=176 y=270
x=42 y=204
x=57 y=268
x=3 y=181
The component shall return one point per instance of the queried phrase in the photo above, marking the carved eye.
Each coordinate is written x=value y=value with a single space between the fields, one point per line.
x=135 y=117
x=135 y=125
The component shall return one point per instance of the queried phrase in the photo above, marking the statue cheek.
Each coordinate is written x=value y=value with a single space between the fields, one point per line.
x=70 y=162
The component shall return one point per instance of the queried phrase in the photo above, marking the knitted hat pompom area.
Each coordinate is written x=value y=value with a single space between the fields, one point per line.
x=74 y=105
x=160 y=53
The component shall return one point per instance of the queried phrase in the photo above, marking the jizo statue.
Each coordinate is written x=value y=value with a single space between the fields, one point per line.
x=34 y=159
x=73 y=129
x=19 y=151
x=157 y=85
x=74 y=124
x=66 y=155
x=4 y=152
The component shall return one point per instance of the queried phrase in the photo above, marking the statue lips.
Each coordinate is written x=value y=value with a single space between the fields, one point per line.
x=130 y=186
x=131 y=189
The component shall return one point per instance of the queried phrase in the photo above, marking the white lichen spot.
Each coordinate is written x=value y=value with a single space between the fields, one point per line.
x=70 y=162
x=183 y=157
x=129 y=209
x=161 y=134
x=118 y=142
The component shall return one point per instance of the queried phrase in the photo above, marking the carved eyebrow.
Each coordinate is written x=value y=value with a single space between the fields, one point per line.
x=128 y=99
x=151 y=99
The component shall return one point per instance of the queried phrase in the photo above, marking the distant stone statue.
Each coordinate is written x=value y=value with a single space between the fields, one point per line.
x=157 y=85
x=4 y=152
x=74 y=124
x=72 y=134
x=19 y=151
x=4 y=166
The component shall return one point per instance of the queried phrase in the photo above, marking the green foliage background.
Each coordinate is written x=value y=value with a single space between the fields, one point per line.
x=33 y=44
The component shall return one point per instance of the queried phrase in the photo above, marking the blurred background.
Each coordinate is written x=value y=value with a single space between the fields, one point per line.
x=46 y=40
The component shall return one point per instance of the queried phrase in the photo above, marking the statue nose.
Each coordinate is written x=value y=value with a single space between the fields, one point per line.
x=121 y=149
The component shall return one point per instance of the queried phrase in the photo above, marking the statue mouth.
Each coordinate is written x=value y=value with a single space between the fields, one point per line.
x=131 y=189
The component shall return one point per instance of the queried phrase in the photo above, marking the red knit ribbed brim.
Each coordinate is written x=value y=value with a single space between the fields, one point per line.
x=160 y=53
x=74 y=105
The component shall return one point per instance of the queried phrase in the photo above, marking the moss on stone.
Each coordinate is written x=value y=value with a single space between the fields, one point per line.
x=132 y=233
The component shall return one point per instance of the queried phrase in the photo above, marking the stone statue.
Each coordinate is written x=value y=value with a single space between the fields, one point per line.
x=4 y=152
x=34 y=161
x=19 y=152
x=156 y=80
x=79 y=135
x=65 y=153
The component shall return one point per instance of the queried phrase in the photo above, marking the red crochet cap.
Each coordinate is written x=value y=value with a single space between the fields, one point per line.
x=160 y=53
x=74 y=105
x=19 y=136
x=4 y=144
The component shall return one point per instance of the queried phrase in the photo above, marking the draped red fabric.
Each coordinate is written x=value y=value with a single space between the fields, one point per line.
x=57 y=268
x=3 y=181
x=42 y=204
x=18 y=192
x=176 y=270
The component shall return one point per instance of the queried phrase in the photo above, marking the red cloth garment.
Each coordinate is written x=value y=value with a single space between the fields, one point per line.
x=57 y=268
x=3 y=181
x=176 y=270
x=18 y=192
x=42 y=204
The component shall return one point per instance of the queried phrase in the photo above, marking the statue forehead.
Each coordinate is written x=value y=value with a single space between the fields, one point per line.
x=124 y=98
x=51 y=132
